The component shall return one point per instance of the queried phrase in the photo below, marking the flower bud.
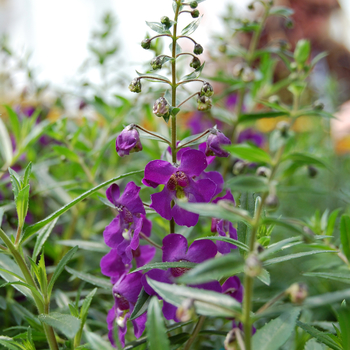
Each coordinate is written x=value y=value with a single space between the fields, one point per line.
x=186 y=311
x=251 y=6
x=263 y=171
x=239 y=167
x=318 y=105
x=274 y=99
x=298 y=293
x=230 y=342
x=157 y=62
x=135 y=85
x=283 y=127
x=146 y=44
x=289 y=23
x=203 y=103
x=161 y=107
x=193 y=4
x=272 y=201
x=293 y=66
x=238 y=69
x=312 y=171
x=195 y=14
x=214 y=142
x=128 y=141
x=248 y=75
x=253 y=266
x=198 y=49
x=207 y=90
x=166 y=22
x=195 y=63
x=222 y=48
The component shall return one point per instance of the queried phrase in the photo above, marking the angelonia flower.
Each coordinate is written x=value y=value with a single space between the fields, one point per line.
x=215 y=140
x=128 y=141
x=195 y=63
x=207 y=90
x=161 y=107
x=198 y=49
x=203 y=103
x=157 y=62
x=135 y=85
x=179 y=184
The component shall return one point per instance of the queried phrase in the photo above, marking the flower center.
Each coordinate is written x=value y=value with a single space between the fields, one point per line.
x=128 y=217
x=178 y=271
x=177 y=182
x=123 y=304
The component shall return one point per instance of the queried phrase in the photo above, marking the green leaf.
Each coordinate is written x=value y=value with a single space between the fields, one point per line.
x=281 y=11
x=174 y=111
x=343 y=317
x=15 y=124
x=249 y=117
x=340 y=277
x=207 y=303
x=217 y=211
x=158 y=27
x=166 y=265
x=30 y=230
x=177 y=48
x=85 y=307
x=283 y=222
x=345 y=235
x=327 y=298
x=195 y=74
x=27 y=173
x=22 y=203
x=86 y=245
x=43 y=235
x=66 y=152
x=141 y=305
x=60 y=267
x=331 y=222
x=5 y=145
x=305 y=159
x=273 y=248
x=274 y=334
x=302 y=51
x=227 y=240
x=249 y=152
x=312 y=344
x=16 y=182
x=214 y=269
x=323 y=337
x=67 y=324
x=190 y=28
x=264 y=277
x=97 y=281
x=157 y=337
x=248 y=183
x=154 y=75
x=9 y=343
x=96 y=342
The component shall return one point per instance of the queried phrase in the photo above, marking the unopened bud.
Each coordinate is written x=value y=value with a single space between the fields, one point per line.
x=230 y=342
x=161 y=107
x=135 y=85
x=297 y=292
x=251 y=6
x=207 y=90
x=312 y=171
x=186 y=311
x=272 y=201
x=293 y=66
x=198 y=49
x=193 y=4
x=283 y=127
x=239 y=167
x=203 y=103
x=238 y=69
x=195 y=14
x=248 y=75
x=222 y=48
x=289 y=23
x=274 y=99
x=146 y=44
x=263 y=171
x=166 y=22
x=157 y=62
x=195 y=63
x=253 y=266
x=318 y=105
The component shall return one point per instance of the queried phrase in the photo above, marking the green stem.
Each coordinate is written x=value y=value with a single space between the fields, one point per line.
x=150 y=241
x=195 y=332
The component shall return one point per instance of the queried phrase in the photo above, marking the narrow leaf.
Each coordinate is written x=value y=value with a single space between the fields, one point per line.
x=340 y=277
x=227 y=240
x=158 y=27
x=43 y=235
x=248 y=183
x=195 y=74
x=64 y=151
x=15 y=124
x=96 y=342
x=249 y=152
x=345 y=235
x=97 y=281
x=254 y=116
x=305 y=159
x=86 y=245
x=141 y=305
x=166 y=265
x=190 y=28
x=5 y=144
x=85 y=307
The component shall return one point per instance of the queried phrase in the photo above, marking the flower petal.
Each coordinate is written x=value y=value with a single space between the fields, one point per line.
x=139 y=325
x=113 y=232
x=113 y=193
x=112 y=265
x=193 y=162
x=161 y=203
x=131 y=199
x=174 y=247
x=200 y=191
x=216 y=177
x=144 y=254
x=129 y=286
x=183 y=217
x=158 y=172
x=200 y=251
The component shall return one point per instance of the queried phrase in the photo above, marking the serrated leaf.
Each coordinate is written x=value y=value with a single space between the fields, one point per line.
x=27 y=173
x=66 y=152
x=60 y=267
x=141 y=305
x=30 y=230
x=264 y=277
x=249 y=117
x=158 y=27
x=207 y=303
x=86 y=245
x=274 y=334
x=195 y=74
x=43 y=235
x=15 y=182
x=9 y=343
x=85 y=307
x=248 y=183
x=97 y=281
x=156 y=332
x=345 y=235
x=166 y=265
x=67 y=324
x=249 y=152
x=5 y=145
x=190 y=28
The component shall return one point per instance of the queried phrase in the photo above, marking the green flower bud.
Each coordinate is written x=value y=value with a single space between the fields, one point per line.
x=263 y=171
x=203 y=103
x=239 y=167
x=198 y=49
x=193 y=4
x=248 y=75
x=298 y=293
x=157 y=62
x=195 y=13
x=318 y=105
x=207 y=90
x=195 y=63
x=166 y=22
x=146 y=44
x=253 y=266
x=161 y=107
x=135 y=85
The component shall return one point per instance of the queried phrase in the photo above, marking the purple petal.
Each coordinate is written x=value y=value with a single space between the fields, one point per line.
x=214 y=286
x=146 y=226
x=157 y=275
x=225 y=228
x=193 y=162
x=113 y=193
x=158 y=172
x=136 y=227
x=112 y=265
x=113 y=232
x=169 y=311
x=144 y=255
x=216 y=177
x=131 y=200
x=129 y=287
x=200 y=251
x=228 y=197
x=203 y=147
x=183 y=217
x=200 y=191
x=139 y=325
x=174 y=247
x=110 y=324
x=161 y=203
x=233 y=288
x=251 y=135
x=122 y=326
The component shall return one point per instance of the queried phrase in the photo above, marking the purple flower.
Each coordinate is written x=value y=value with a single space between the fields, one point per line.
x=128 y=141
x=123 y=232
x=179 y=184
x=252 y=136
x=198 y=122
x=233 y=287
x=214 y=142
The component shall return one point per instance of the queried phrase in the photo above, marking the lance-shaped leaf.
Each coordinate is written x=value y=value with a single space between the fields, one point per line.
x=96 y=342
x=340 y=277
x=15 y=124
x=326 y=298
x=227 y=240
x=345 y=235
x=249 y=152
x=154 y=76
x=141 y=305
x=248 y=183
x=167 y=265
x=281 y=11
x=158 y=27
x=22 y=203
x=97 y=281
x=254 y=116
x=305 y=159
x=5 y=144
x=195 y=74
x=86 y=245
x=190 y=28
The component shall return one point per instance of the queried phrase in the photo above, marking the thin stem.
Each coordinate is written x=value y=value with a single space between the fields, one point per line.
x=3 y=248
x=154 y=78
x=187 y=37
x=172 y=226
x=195 y=332
x=239 y=338
x=185 y=11
x=151 y=133
x=271 y=302
x=197 y=138
x=150 y=241
x=193 y=95
x=185 y=53
x=189 y=81
x=158 y=36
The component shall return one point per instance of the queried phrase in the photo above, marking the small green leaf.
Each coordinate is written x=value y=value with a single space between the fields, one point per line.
x=15 y=124
x=5 y=145
x=177 y=48
x=302 y=51
x=166 y=265
x=158 y=27
x=141 y=305
x=281 y=11
x=96 y=342
x=345 y=235
x=343 y=316
x=249 y=117
x=331 y=222
x=22 y=203
x=157 y=337
x=60 y=267
x=318 y=58
x=190 y=28
x=85 y=307
x=274 y=334
x=97 y=281
x=67 y=324
x=312 y=344
x=43 y=235
x=195 y=74
x=86 y=245
x=154 y=75
x=174 y=111
x=249 y=152
x=15 y=181
x=66 y=152
x=248 y=183
x=27 y=173
x=264 y=277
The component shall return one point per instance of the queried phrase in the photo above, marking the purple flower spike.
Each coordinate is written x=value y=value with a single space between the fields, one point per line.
x=215 y=140
x=252 y=136
x=113 y=266
x=143 y=255
x=233 y=287
x=128 y=141
x=181 y=183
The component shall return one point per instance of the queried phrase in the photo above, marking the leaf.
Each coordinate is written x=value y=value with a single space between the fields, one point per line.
x=15 y=182
x=217 y=211
x=154 y=75
x=97 y=281
x=248 y=183
x=96 y=342
x=166 y=265
x=67 y=324
x=343 y=317
x=340 y=277
x=214 y=269
x=274 y=334
x=156 y=332
x=302 y=51
x=249 y=152
x=86 y=245
x=264 y=277
x=22 y=203
x=195 y=74
x=345 y=235
x=158 y=27
x=43 y=235
x=281 y=11
x=249 y=117
x=207 y=303
x=323 y=337
x=5 y=145
x=60 y=267
x=141 y=305
x=327 y=298
x=30 y=230
x=85 y=307
x=273 y=248
x=331 y=222
x=227 y=240
x=305 y=159
x=9 y=343
x=27 y=173
x=190 y=28
x=66 y=152
x=312 y=344
x=15 y=124
x=318 y=58
x=177 y=48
